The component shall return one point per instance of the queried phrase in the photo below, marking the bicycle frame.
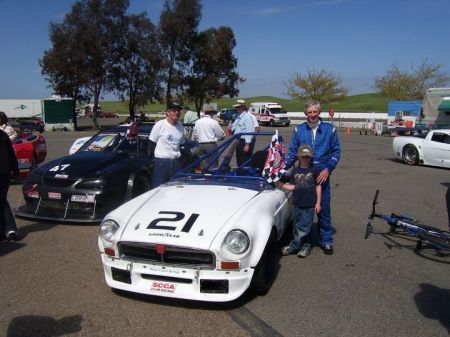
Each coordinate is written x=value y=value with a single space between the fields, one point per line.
x=434 y=237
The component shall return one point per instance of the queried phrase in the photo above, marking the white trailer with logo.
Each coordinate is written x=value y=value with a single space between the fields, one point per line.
x=21 y=108
x=269 y=113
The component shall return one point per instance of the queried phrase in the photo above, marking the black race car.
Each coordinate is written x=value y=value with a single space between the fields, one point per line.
x=112 y=167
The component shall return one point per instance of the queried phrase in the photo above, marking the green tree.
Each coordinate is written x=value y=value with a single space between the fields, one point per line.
x=319 y=85
x=177 y=29
x=213 y=70
x=96 y=27
x=135 y=71
x=406 y=85
x=62 y=65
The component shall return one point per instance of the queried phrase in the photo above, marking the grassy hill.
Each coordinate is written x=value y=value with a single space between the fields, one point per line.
x=363 y=102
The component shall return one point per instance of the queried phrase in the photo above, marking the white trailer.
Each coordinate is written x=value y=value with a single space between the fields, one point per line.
x=21 y=108
x=435 y=108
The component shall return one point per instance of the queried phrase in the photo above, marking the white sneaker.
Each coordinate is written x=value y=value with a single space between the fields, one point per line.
x=304 y=252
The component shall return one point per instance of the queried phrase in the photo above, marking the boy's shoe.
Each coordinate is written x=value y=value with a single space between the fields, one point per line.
x=287 y=251
x=327 y=249
x=304 y=252
x=12 y=236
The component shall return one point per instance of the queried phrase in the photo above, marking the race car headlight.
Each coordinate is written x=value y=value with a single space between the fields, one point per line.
x=108 y=229
x=90 y=184
x=237 y=241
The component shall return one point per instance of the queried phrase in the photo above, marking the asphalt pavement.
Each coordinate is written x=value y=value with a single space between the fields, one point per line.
x=52 y=280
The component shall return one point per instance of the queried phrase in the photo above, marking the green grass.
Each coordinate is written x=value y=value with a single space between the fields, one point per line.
x=364 y=102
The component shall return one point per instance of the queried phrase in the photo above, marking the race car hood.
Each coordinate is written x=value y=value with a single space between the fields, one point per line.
x=185 y=215
x=81 y=164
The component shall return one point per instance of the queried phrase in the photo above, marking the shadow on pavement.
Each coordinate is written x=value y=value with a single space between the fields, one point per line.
x=29 y=325
x=434 y=303
x=9 y=247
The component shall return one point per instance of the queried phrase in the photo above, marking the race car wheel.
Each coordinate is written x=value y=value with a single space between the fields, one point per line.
x=410 y=155
x=141 y=184
x=266 y=269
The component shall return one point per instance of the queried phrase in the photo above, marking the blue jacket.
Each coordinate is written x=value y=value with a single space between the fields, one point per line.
x=326 y=147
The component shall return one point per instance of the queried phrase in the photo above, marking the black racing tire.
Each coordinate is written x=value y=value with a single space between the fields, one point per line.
x=141 y=184
x=267 y=266
x=410 y=155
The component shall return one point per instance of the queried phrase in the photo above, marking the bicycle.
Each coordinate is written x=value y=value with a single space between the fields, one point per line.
x=434 y=237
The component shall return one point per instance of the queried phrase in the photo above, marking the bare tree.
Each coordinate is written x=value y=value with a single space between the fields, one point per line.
x=404 y=85
x=319 y=85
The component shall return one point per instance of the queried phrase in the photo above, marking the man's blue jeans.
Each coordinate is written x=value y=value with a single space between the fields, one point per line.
x=164 y=170
x=303 y=219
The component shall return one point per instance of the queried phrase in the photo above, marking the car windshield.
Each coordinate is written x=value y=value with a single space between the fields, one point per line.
x=118 y=142
x=220 y=166
x=276 y=111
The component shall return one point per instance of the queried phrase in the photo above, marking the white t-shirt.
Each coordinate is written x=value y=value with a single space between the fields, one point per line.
x=9 y=130
x=168 y=139
x=208 y=130
x=255 y=121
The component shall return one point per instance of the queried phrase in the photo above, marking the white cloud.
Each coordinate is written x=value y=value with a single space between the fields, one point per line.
x=267 y=11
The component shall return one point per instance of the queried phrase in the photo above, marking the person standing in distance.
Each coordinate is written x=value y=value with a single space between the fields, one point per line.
x=323 y=139
x=207 y=132
x=8 y=164
x=168 y=135
x=243 y=123
x=8 y=129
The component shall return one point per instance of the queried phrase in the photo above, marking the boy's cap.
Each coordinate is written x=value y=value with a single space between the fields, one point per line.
x=305 y=150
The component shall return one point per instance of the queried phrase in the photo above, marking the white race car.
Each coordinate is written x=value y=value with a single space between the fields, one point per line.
x=431 y=148
x=208 y=235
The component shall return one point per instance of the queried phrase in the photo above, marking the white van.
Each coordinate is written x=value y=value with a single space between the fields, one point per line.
x=269 y=113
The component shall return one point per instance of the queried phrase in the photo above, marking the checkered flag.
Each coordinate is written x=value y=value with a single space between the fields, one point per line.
x=132 y=132
x=275 y=164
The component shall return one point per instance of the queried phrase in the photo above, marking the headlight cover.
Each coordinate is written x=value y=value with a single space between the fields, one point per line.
x=95 y=183
x=237 y=241
x=108 y=229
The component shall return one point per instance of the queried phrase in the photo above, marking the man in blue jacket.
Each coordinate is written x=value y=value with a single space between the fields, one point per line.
x=324 y=141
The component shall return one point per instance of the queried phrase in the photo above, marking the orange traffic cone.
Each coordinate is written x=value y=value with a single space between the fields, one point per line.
x=347 y=131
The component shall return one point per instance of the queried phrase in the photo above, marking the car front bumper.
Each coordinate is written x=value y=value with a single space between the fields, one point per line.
x=176 y=281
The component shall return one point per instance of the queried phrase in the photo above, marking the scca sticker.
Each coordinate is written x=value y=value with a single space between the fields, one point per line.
x=164 y=287
x=174 y=217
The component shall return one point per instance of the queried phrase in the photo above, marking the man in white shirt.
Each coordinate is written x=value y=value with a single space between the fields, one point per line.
x=207 y=132
x=168 y=135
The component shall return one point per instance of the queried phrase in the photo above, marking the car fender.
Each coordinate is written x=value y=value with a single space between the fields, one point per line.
x=400 y=142
x=257 y=219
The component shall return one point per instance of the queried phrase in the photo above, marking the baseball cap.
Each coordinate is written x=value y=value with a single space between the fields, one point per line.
x=174 y=106
x=305 y=150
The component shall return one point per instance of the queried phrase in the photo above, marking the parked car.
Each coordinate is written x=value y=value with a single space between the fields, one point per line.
x=110 y=168
x=428 y=148
x=209 y=235
x=30 y=149
x=228 y=115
